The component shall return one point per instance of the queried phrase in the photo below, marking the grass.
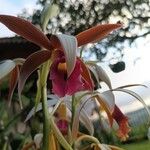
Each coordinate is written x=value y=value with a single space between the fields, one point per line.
x=143 y=145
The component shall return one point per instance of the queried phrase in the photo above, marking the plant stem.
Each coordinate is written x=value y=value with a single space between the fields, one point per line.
x=86 y=138
x=59 y=135
x=73 y=105
x=46 y=124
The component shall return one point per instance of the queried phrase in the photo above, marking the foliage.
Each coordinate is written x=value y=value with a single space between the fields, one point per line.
x=140 y=145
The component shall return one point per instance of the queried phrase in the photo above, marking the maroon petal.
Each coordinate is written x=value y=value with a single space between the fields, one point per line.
x=26 y=30
x=58 y=78
x=30 y=65
x=74 y=82
x=13 y=82
x=63 y=126
x=88 y=82
x=96 y=33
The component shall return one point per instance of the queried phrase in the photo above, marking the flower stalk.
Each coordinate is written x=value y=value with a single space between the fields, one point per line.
x=46 y=125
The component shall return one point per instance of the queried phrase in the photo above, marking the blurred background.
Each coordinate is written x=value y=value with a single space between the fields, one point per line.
x=124 y=54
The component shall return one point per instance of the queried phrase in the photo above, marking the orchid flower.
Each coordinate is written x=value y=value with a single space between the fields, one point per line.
x=62 y=84
x=68 y=44
x=68 y=73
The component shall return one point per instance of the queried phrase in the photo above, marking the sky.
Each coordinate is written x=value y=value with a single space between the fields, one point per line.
x=137 y=58
x=14 y=7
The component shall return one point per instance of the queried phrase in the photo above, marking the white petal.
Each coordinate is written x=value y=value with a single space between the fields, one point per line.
x=69 y=44
x=138 y=97
x=84 y=118
x=109 y=99
x=102 y=75
x=39 y=107
x=6 y=67
x=38 y=140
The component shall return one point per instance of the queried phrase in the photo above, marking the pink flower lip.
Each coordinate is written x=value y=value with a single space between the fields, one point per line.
x=62 y=124
x=62 y=84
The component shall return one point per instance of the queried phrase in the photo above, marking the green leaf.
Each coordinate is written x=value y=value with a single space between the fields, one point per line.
x=6 y=67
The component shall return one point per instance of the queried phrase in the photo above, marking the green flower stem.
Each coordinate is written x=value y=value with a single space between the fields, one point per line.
x=73 y=105
x=46 y=125
x=59 y=135
x=43 y=83
x=87 y=138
